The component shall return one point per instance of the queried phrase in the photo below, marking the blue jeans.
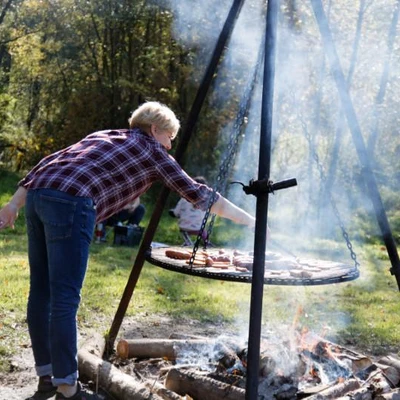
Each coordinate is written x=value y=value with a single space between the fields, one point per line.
x=60 y=228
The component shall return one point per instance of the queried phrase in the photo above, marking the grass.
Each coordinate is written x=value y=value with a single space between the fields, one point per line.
x=364 y=313
x=158 y=292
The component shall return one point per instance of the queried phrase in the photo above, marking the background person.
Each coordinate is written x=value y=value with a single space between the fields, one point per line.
x=189 y=217
x=131 y=214
x=64 y=196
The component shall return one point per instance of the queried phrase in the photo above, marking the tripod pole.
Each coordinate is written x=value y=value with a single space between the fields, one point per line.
x=257 y=284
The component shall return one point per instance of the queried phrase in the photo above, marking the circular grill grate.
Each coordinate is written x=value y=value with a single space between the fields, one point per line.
x=307 y=273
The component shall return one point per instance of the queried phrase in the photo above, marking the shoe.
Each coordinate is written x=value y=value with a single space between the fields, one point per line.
x=81 y=394
x=45 y=385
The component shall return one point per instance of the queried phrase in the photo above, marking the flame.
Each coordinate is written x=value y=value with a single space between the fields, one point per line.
x=314 y=372
x=297 y=315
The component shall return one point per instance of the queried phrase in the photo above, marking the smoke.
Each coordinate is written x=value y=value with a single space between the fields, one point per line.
x=311 y=139
x=308 y=119
x=198 y=25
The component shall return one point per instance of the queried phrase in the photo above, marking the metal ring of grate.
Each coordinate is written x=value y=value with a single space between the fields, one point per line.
x=337 y=274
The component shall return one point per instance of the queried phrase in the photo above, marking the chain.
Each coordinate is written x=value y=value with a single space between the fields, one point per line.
x=229 y=159
x=331 y=199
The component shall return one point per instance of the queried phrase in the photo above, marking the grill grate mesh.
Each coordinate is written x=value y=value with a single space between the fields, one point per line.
x=331 y=272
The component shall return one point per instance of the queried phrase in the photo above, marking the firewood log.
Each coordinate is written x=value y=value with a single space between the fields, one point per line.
x=156 y=348
x=311 y=390
x=379 y=382
x=163 y=392
x=392 y=362
x=108 y=377
x=201 y=387
x=391 y=373
x=336 y=391
x=173 y=349
x=363 y=393
x=393 y=395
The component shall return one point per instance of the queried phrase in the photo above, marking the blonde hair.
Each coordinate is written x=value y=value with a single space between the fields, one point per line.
x=154 y=113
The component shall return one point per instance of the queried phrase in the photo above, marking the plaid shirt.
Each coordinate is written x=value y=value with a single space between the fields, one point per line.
x=114 y=167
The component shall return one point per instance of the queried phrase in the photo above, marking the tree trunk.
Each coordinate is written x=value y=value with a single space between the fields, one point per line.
x=373 y=138
x=330 y=178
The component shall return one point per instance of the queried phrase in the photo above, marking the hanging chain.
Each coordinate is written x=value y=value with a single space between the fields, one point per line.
x=229 y=159
x=331 y=199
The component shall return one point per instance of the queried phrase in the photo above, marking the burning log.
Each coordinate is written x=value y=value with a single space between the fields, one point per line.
x=341 y=354
x=173 y=349
x=336 y=391
x=391 y=362
x=391 y=374
x=363 y=393
x=379 y=383
x=336 y=369
x=286 y=392
x=393 y=395
x=267 y=364
x=312 y=390
x=379 y=377
x=358 y=362
x=201 y=387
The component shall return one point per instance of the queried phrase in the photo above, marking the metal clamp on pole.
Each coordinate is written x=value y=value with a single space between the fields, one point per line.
x=266 y=186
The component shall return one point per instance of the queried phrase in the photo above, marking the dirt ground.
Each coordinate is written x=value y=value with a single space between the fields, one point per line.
x=21 y=382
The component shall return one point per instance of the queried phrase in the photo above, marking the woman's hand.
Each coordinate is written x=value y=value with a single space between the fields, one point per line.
x=9 y=213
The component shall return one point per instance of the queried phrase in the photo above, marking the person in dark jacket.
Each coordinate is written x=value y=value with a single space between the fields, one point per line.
x=132 y=215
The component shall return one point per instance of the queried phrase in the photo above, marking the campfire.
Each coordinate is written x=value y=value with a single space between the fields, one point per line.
x=304 y=366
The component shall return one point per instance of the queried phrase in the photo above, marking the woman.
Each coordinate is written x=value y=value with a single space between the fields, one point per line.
x=64 y=196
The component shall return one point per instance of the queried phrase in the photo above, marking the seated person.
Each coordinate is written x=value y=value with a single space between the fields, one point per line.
x=189 y=217
x=132 y=214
